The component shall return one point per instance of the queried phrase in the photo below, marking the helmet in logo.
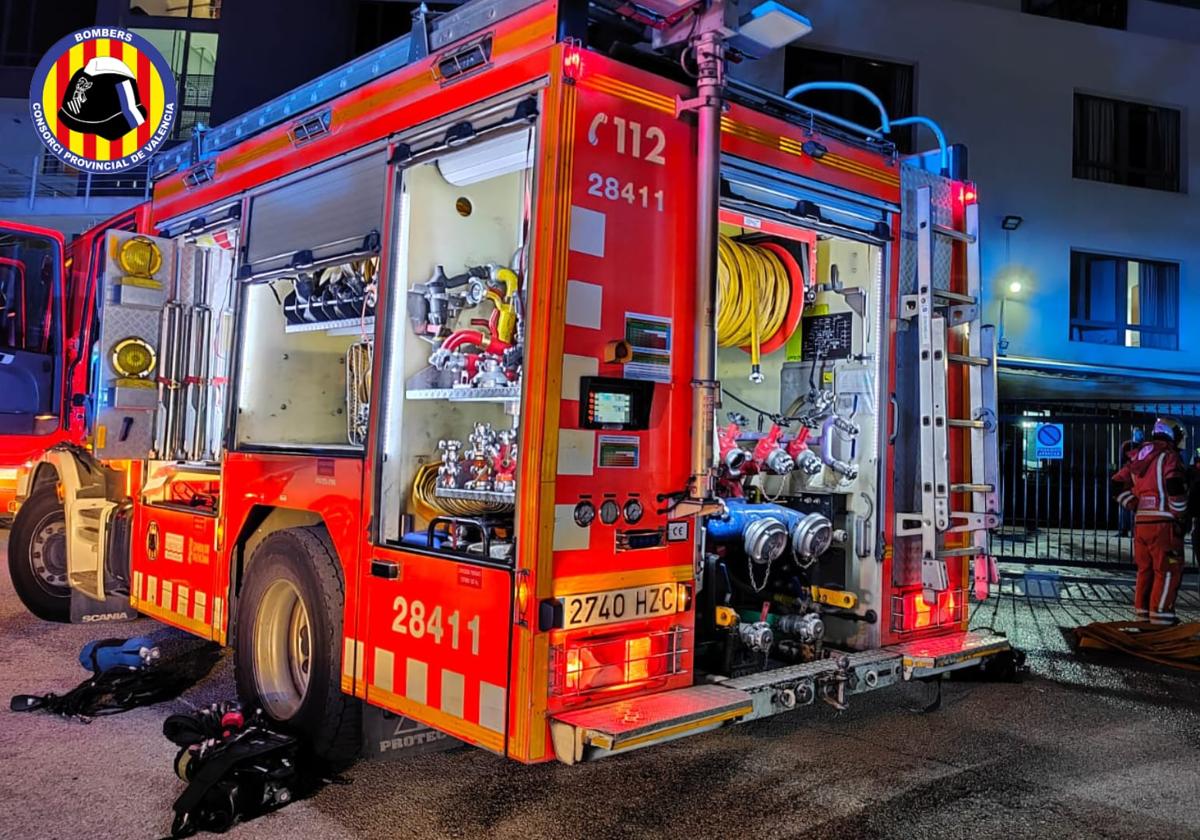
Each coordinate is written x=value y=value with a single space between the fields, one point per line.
x=102 y=98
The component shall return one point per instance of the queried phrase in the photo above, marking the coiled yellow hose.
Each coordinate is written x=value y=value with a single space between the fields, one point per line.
x=428 y=504
x=753 y=293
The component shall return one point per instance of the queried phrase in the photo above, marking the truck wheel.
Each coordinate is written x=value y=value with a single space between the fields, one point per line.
x=37 y=556
x=288 y=642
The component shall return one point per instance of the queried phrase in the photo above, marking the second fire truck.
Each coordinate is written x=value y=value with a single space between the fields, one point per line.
x=531 y=379
x=47 y=326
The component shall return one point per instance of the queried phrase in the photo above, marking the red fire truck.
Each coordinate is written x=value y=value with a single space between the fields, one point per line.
x=48 y=311
x=31 y=339
x=412 y=397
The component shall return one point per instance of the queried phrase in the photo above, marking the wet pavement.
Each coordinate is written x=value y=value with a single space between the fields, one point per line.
x=1075 y=750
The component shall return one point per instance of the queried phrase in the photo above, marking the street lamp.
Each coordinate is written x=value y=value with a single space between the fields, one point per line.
x=1012 y=290
x=1008 y=224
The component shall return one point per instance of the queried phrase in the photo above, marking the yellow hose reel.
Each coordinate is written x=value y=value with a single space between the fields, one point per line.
x=754 y=296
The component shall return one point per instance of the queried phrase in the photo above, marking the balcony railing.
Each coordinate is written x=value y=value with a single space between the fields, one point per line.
x=45 y=178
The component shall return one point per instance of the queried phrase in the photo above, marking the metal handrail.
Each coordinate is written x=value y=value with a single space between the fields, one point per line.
x=49 y=178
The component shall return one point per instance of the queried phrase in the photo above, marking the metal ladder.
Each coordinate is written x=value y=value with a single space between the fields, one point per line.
x=936 y=313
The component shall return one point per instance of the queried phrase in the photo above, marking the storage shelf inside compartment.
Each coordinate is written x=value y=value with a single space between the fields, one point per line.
x=465 y=394
x=353 y=324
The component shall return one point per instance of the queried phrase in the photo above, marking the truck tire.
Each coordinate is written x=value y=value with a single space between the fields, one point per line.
x=287 y=642
x=37 y=556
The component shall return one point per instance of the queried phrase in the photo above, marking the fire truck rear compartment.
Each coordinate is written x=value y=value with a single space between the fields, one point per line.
x=454 y=355
x=799 y=456
x=791 y=604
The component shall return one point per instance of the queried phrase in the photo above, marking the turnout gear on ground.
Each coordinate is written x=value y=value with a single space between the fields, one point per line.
x=116 y=686
x=236 y=767
x=1154 y=485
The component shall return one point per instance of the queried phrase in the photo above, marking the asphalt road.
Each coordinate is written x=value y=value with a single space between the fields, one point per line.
x=1074 y=751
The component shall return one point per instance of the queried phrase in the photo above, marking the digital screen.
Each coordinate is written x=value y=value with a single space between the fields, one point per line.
x=608 y=403
x=610 y=408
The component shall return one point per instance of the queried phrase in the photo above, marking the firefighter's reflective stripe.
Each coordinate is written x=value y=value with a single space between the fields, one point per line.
x=439 y=696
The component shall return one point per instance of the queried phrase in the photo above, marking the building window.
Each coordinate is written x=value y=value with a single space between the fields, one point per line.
x=28 y=30
x=1127 y=143
x=208 y=9
x=1125 y=302
x=1110 y=13
x=381 y=21
x=891 y=82
x=193 y=60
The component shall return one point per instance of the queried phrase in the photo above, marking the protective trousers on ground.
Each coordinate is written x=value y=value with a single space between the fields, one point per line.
x=1158 y=555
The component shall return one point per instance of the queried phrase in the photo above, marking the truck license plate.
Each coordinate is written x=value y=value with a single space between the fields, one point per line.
x=596 y=608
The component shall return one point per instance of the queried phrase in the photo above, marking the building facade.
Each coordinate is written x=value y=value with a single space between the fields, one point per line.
x=227 y=56
x=1084 y=137
x=1080 y=120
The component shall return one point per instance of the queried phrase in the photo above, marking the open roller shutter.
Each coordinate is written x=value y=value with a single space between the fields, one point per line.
x=329 y=213
x=791 y=198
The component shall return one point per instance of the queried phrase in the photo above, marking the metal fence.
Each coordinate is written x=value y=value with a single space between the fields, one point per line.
x=44 y=176
x=1061 y=511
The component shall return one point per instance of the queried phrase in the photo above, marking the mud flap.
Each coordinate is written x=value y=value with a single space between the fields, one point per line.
x=87 y=610
x=388 y=736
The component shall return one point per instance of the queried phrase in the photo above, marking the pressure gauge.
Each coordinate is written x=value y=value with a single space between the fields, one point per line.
x=633 y=511
x=585 y=512
x=609 y=511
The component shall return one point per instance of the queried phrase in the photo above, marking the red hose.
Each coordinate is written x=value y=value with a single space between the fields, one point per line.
x=492 y=345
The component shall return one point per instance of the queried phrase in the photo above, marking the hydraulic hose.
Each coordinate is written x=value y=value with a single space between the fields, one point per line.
x=753 y=293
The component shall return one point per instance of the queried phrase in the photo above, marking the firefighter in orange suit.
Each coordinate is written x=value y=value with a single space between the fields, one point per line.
x=1153 y=484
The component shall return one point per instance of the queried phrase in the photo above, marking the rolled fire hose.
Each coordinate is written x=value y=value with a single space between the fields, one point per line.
x=753 y=293
x=429 y=505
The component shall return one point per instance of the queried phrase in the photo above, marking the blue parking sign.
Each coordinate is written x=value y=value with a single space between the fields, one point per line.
x=1048 y=441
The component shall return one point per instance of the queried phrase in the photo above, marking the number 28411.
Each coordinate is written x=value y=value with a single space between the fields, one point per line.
x=613 y=190
x=413 y=619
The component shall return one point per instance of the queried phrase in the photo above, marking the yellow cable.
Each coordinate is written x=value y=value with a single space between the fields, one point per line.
x=753 y=292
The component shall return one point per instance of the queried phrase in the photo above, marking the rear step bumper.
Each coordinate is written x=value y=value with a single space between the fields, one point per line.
x=587 y=734
x=599 y=731
x=930 y=657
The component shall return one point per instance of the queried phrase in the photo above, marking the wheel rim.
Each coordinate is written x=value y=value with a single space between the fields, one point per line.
x=282 y=650
x=48 y=555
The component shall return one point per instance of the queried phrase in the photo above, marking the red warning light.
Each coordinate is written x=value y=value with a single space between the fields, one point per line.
x=573 y=60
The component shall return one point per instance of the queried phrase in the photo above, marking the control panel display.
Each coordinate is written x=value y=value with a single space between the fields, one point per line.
x=610 y=409
x=615 y=404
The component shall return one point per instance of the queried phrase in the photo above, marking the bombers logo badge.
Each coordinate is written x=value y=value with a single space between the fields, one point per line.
x=103 y=100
